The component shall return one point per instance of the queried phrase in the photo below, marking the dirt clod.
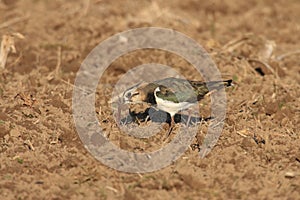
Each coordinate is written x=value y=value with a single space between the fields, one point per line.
x=255 y=43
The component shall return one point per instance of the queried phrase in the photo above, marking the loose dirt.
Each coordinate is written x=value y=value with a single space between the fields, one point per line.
x=256 y=43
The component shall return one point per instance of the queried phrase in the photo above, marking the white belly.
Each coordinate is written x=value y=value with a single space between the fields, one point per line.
x=171 y=107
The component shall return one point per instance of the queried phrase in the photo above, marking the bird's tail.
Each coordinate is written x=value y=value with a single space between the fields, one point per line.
x=203 y=88
x=215 y=85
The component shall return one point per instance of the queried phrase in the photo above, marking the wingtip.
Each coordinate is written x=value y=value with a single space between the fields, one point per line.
x=229 y=83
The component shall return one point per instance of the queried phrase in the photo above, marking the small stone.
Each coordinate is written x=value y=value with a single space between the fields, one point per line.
x=248 y=143
x=14 y=133
x=289 y=175
x=6 y=137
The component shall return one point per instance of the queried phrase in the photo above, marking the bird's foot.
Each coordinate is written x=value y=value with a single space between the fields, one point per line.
x=167 y=135
x=171 y=126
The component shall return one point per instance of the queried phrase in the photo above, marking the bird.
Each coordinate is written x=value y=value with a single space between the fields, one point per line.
x=171 y=94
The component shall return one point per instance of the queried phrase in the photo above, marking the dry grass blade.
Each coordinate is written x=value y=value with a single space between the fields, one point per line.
x=13 y=21
x=29 y=144
x=58 y=64
x=234 y=44
x=86 y=7
x=266 y=65
x=267 y=51
x=112 y=189
x=7 y=46
x=287 y=54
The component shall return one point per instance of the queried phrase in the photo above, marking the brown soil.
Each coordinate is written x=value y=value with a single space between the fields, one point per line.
x=258 y=153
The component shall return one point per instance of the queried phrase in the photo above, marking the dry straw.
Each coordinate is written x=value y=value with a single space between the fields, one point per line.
x=7 y=46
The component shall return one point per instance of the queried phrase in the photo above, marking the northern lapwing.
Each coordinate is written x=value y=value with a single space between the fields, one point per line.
x=172 y=95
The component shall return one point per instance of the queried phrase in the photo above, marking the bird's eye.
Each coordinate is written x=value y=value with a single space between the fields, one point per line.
x=128 y=94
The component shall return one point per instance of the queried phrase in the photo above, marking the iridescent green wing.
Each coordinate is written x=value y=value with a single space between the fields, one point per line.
x=181 y=90
x=203 y=88
x=177 y=90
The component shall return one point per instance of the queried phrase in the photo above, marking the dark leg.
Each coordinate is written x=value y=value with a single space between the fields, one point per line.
x=171 y=126
x=189 y=118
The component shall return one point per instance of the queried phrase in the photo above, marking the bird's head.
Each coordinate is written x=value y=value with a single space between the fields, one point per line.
x=133 y=94
x=141 y=93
